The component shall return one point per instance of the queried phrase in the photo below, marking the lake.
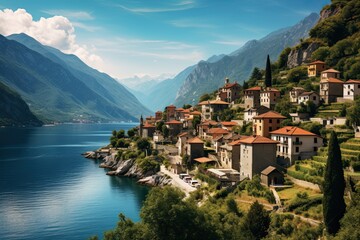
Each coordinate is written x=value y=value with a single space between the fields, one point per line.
x=49 y=191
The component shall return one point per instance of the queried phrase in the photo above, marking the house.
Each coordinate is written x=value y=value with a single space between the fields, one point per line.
x=295 y=92
x=299 y=117
x=253 y=112
x=179 y=113
x=295 y=144
x=351 y=89
x=330 y=122
x=269 y=97
x=272 y=176
x=230 y=154
x=215 y=132
x=229 y=92
x=315 y=68
x=330 y=73
x=264 y=123
x=158 y=136
x=204 y=126
x=174 y=127
x=170 y=112
x=148 y=130
x=181 y=143
x=331 y=89
x=195 y=148
x=208 y=108
x=158 y=115
x=252 y=97
x=309 y=96
x=256 y=154
x=228 y=125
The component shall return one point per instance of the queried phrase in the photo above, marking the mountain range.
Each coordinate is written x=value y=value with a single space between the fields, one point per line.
x=209 y=75
x=60 y=87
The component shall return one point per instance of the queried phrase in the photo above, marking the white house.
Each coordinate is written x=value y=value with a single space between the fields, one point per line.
x=351 y=89
x=295 y=143
x=309 y=96
x=295 y=93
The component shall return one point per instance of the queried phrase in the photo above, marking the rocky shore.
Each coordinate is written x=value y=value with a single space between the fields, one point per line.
x=128 y=168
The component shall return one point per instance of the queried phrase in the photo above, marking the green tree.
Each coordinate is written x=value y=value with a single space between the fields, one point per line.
x=196 y=121
x=353 y=113
x=283 y=58
x=205 y=97
x=159 y=125
x=165 y=131
x=120 y=134
x=186 y=106
x=143 y=144
x=334 y=186
x=256 y=74
x=296 y=74
x=257 y=220
x=114 y=133
x=131 y=132
x=268 y=78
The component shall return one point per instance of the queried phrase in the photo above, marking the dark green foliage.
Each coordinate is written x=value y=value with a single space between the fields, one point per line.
x=159 y=125
x=149 y=164
x=120 y=134
x=313 y=127
x=309 y=107
x=333 y=188
x=256 y=74
x=131 y=132
x=296 y=74
x=257 y=220
x=205 y=97
x=196 y=121
x=353 y=113
x=284 y=107
x=283 y=58
x=165 y=131
x=268 y=78
x=256 y=189
x=143 y=144
x=187 y=106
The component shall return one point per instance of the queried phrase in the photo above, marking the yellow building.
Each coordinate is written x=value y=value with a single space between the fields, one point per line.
x=266 y=123
x=315 y=68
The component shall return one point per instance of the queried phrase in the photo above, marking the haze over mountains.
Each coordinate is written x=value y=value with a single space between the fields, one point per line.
x=207 y=76
x=60 y=87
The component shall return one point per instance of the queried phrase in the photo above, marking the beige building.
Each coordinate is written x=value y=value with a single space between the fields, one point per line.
x=253 y=112
x=331 y=89
x=256 y=154
x=269 y=97
x=174 y=127
x=252 y=97
x=315 y=68
x=330 y=73
x=295 y=92
x=181 y=143
x=208 y=108
x=309 y=96
x=351 y=89
x=266 y=123
x=295 y=144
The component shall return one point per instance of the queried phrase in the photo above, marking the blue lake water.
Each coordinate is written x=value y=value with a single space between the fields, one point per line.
x=49 y=191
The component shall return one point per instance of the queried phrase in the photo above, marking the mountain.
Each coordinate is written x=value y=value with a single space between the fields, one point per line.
x=60 y=86
x=143 y=83
x=14 y=111
x=208 y=76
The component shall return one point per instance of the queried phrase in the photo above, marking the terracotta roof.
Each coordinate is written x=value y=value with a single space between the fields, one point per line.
x=186 y=111
x=270 y=114
x=195 y=140
x=332 y=80
x=147 y=125
x=253 y=89
x=173 y=122
x=214 y=102
x=217 y=131
x=210 y=122
x=237 y=142
x=316 y=62
x=269 y=170
x=331 y=70
x=183 y=134
x=258 y=140
x=230 y=85
x=218 y=138
x=171 y=106
x=307 y=94
x=204 y=160
x=292 y=131
x=195 y=113
x=229 y=123
x=353 y=81
x=271 y=90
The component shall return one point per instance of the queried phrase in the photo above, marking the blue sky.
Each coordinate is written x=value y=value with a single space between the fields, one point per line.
x=150 y=37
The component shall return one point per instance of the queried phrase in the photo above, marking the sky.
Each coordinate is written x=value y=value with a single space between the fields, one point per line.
x=125 y=38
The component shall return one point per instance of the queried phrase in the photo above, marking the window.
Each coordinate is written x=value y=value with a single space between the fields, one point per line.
x=314 y=98
x=348 y=93
x=359 y=86
x=315 y=140
x=270 y=120
x=297 y=149
x=315 y=149
x=270 y=129
x=297 y=139
x=278 y=121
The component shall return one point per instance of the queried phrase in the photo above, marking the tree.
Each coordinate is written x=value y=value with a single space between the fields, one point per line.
x=196 y=121
x=256 y=74
x=114 y=133
x=205 y=97
x=268 y=78
x=143 y=144
x=186 y=106
x=353 y=113
x=283 y=58
x=165 y=131
x=159 y=125
x=334 y=186
x=257 y=220
x=120 y=134
x=131 y=132
x=296 y=74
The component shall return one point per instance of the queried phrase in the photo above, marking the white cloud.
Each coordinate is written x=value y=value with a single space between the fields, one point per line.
x=79 y=15
x=162 y=6
x=55 y=31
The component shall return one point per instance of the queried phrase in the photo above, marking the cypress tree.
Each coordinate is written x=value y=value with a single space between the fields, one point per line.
x=334 y=186
x=268 y=78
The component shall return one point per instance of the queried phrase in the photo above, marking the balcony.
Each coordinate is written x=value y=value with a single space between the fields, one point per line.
x=297 y=143
x=284 y=142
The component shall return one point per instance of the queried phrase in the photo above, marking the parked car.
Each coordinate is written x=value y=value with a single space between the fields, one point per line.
x=187 y=179
x=182 y=175
x=193 y=182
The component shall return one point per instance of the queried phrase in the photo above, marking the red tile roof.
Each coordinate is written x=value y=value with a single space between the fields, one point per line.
x=270 y=114
x=195 y=113
x=230 y=85
x=204 y=160
x=210 y=122
x=195 y=140
x=237 y=142
x=332 y=80
x=316 y=62
x=331 y=70
x=171 y=106
x=213 y=102
x=183 y=134
x=173 y=122
x=217 y=131
x=292 y=131
x=353 y=81
x=258 y=140
x=253 y=89
x=229 y=123
x=147 y=125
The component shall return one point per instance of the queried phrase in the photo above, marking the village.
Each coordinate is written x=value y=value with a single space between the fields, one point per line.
x=259 y=141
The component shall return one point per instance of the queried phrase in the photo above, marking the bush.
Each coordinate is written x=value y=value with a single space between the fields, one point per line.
x=148 y=165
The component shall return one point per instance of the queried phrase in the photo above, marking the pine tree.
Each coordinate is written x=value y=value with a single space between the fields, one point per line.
x=268 y=78
x=334 y=186
x=257 y=221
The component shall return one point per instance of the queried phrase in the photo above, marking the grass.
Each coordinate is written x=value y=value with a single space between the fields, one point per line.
x=287 y=194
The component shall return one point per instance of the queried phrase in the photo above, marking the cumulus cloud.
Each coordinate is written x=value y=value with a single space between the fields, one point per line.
x=57 y=32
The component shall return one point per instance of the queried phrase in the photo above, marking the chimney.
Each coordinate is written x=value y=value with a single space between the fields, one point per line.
x=227 y=80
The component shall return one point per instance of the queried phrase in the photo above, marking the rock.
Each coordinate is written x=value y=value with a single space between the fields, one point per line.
x=124 y=166
x=89 y=155
x=298 y=56
x=109 y=161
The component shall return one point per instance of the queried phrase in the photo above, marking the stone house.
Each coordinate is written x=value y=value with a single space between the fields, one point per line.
x=309 y=96
x=195 y=148
x=215 y=132
x=351 y=89
x=331 y=89
x=158 y=136
x=174 y=127
x=228 y=125
x=253 y=112
x=330 y=73
x=148 y=130
x=294 y=93
x=269 y=97
x=295 y=144
x=181 y=143
x=170 y=112
x=204 y=126
x=158 y=115
x=252 y=97
x=267 y=122
x=256 y=154
x=315 y=68
x=208 y=108
x=229 y=92
x=272 y=176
